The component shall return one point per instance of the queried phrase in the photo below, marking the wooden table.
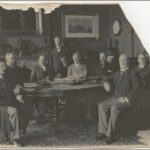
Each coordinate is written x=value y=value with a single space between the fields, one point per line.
x=86 y=90
x=57 y=90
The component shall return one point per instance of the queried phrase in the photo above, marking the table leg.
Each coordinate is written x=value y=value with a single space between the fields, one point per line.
x=52 y=128
x=88 y=113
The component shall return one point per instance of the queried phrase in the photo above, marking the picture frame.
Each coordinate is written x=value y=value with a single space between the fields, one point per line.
x=81 y=26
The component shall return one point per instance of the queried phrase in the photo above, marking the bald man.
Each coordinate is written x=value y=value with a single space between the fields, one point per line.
x=126 y=83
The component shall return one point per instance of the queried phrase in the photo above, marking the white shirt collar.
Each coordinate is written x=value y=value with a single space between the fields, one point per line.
x=43 y=67
x=58 y=48
x=77 y=65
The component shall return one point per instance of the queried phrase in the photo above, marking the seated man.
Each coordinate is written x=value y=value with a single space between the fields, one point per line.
x=143 y=93
x=126 y=83
x=15 y=86
x=77 y=70
x=9 y=123
x=103 y=68
x=41 y=71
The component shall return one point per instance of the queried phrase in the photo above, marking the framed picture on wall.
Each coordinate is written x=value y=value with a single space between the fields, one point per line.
x=81 y=26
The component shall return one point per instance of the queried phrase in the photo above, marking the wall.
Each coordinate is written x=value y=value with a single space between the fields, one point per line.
x=91 y=44
x=128 y=41
x=138 y=46
x=125 y=38
x=31 y=40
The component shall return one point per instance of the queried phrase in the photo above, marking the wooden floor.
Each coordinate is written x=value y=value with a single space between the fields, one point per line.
x=76 y=134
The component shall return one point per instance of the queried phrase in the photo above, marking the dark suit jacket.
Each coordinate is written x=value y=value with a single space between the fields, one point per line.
x=144 y=75
x=12 y=78
x=56 y=63
x=101 y=70
x=126 y=85
x=4 y=96
x=25 y=74
x=4 y=103
x=38 y=73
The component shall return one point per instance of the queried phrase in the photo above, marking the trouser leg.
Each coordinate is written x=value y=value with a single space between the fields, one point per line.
x=24 y=114
x=13 y=118
x=115 y=111
x=103 y=114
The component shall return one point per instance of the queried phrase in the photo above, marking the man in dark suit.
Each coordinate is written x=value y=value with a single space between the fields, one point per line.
x=58 y=59
x=126 y=83
x=103 y=68
x=41 y=70
x=143 y=94
x=9 y=122
x=15 y=87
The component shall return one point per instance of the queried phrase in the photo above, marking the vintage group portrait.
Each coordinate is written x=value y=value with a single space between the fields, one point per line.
x=72 y=76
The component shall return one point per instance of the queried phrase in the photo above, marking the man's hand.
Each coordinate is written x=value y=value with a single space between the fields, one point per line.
x=18 y=89
x=106 y=86
x=126 y=100
x=63 y=60
x=123 y=100
x=20 y=99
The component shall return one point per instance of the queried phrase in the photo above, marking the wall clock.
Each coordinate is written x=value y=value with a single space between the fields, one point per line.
x=116 y=27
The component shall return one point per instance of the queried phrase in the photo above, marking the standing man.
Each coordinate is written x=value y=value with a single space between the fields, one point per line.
x=9 y=122
x=58 y=59
x=126 y=84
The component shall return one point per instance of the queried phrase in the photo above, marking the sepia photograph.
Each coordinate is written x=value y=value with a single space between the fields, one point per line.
x=74 y=75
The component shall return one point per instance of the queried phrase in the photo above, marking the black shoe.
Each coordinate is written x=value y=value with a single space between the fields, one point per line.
x=100 y=136
x=109 y=140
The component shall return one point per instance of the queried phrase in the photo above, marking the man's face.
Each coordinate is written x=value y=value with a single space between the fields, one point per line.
x=102 y=58
x=2 y=68
x=11 y=60
x=123 y=61
x=57 y=41
x=141 y=59
x=42 y=60
x=76 y=58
